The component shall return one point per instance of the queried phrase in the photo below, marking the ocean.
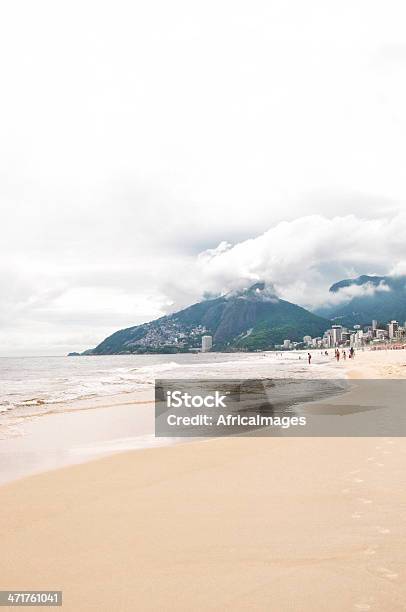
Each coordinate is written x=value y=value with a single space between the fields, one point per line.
x=30 y=385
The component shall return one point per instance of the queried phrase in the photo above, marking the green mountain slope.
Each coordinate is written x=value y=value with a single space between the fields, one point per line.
x=253 y=319
x=375 y=297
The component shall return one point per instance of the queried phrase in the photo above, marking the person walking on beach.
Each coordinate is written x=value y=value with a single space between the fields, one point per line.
x=344 y=355
x=352 y=352
x=309 y=358
x=337 y=355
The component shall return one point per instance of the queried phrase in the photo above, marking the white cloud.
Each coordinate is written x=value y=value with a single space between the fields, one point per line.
x=368 y=289
x=301 y=258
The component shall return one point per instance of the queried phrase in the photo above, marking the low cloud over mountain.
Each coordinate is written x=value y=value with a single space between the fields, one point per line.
x=301 y=258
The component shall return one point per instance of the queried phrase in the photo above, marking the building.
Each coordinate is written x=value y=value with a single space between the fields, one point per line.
x=393 y=327
x=286 y=344
x=328 y=339
x=346 y=337
x=382 y=334
x=336 y=332
x=307 y=339
x=207 y=343
x=400 y=333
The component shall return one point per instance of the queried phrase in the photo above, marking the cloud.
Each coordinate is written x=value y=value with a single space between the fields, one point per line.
x=345 y=294
x=301 y=258
x=73 y=300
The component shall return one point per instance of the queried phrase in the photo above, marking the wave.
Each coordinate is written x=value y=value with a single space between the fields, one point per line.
x=28 y=386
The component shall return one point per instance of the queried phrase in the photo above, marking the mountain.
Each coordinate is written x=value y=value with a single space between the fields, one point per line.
x=252 y=319
x=362 y=299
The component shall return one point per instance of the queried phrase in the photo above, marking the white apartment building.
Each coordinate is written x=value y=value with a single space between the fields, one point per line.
x=207 y=343
x=393 y=327
x=336 y=333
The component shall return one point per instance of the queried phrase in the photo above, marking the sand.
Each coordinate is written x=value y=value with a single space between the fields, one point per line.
x=377 y=364
x=295 y=524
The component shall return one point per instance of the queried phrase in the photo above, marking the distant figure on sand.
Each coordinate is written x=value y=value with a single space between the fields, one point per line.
x=337 y=355
x=344 y=355
x=352 y=353
x=309 y=358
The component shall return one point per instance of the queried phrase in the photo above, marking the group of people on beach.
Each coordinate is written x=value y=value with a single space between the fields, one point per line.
x=351 y=354
x=337 y=355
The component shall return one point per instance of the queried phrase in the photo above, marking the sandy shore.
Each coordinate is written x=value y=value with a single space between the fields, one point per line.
x=377 y=364
x=70 y=434
x=295 y=524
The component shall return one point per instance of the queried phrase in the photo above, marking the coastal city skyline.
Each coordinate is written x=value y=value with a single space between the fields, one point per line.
x=359 y=336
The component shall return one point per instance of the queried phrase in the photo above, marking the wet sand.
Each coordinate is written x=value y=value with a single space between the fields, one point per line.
x=77 y=434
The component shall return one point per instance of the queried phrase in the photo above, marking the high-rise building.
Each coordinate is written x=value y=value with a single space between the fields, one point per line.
x=207 y=343
x=336 y=334
x=393 y=327
x=328 y=338
x=307 y=339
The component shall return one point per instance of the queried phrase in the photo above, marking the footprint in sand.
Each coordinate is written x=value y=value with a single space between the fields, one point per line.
x=383 y=530
x=355 y=472
x=380 y=464
x=370 y=551
x=345 y=491
x=364 y=500
x=357 y=480
x=356 y=515
x=371 y=459
x=387 y=573
x=364 y=604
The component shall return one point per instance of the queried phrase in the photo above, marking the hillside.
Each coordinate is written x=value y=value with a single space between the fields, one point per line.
x=366 y=298
x=253 y=319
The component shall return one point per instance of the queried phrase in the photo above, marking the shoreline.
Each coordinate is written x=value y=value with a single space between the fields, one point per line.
x=233 y=523
x=91 y=428
x=64 y=434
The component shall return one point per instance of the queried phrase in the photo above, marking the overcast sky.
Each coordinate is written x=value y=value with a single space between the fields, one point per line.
x=154 y=151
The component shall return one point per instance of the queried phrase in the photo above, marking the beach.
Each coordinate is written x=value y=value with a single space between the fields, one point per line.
x=298 y=524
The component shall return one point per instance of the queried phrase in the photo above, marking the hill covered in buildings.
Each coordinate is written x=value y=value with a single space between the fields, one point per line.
x=363 y=299
x=252 y=319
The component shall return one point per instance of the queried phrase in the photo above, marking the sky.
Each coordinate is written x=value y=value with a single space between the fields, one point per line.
x=155 y=152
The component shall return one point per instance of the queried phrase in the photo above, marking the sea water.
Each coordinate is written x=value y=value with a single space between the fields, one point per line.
x=29 y=386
